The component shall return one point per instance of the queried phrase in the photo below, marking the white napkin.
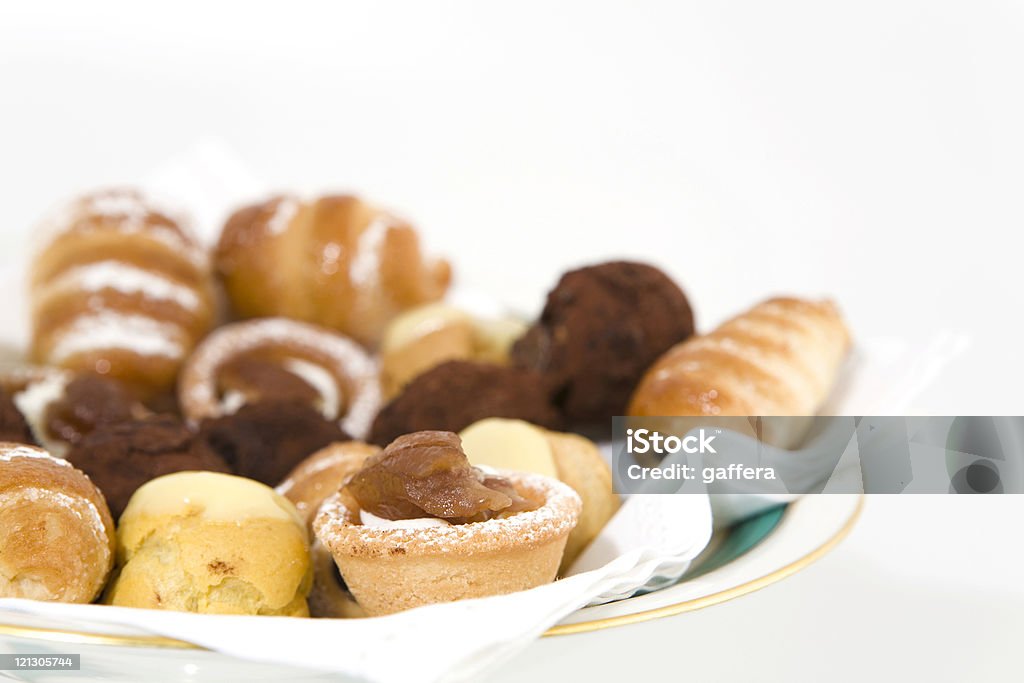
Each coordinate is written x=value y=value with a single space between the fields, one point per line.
x=450 y=642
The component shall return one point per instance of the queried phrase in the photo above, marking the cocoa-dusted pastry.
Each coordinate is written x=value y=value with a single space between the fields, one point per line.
x=121 y=289
x=214 y=544
x=336 y=261
x=780 y=358
x=123 y=456
x=13 y=426
x=419 y=525
x=456 y=394
x=429 y=335
x=314 y=480
x=601 y=328
x=522 y=447
x=265 y=440
x=56 y=533
x=62 y=407
x=282 y=360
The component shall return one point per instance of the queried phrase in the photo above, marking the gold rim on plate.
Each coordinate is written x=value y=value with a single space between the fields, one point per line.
x=86 y=638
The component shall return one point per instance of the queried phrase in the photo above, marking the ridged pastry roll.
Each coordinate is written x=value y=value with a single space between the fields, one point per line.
x=336 y=261
x=56 y=534
x=782 y=357
x=120 y=289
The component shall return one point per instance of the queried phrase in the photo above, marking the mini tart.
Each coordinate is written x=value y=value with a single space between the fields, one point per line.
x=390 y=569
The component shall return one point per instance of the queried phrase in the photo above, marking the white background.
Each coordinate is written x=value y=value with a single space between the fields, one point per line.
x=868 y=151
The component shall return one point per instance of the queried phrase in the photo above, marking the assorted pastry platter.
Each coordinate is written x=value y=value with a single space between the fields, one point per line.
x=292 y=422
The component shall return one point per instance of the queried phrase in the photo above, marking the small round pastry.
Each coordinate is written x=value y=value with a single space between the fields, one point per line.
x=266 y=440
x=601 y=328
x=314 y=480
x=336 y=261
x=280 y=359
x=429 y=335
x=419 y=525
x=121 y=289
x=522 y=447
x=454 y=395
x=56 y=532
x=211 y=543
x=62 y=407
x=123 y=456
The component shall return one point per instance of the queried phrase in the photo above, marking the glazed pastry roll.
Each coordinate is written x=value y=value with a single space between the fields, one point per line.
x=119 y=288
x=56 y=532
x=276 y=359
x=780 y=358
x=336 y=261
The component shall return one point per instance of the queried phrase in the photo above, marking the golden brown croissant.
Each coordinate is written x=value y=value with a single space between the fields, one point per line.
x=335 y=261
x=120 y=289
x=780 y=358
x=56 y=532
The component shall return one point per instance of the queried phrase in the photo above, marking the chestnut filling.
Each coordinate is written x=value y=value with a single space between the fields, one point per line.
x=427 y=474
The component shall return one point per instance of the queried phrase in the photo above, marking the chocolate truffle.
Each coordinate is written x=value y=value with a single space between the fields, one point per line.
x=88 y=402
x=601 y=328
x=265 y=440
x=454 y=395
x=13 y=426
x=121 y=457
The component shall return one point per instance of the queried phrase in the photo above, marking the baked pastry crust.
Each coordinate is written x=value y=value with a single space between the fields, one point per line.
x=56 y=532
x=119 y=288
x=319 y=476
x=336 y=261
x=780 y=358
x=394 y=569
x=314 y=480
x=581 y=466
x=427 y=336
x=211 y=543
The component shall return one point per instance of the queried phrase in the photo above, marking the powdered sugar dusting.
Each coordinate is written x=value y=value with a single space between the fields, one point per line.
x=286 y=210
x=109 y=330
x=12 y=451
x=127 y=279
x=364 y=268
x=556 y=517
x=35 y=399
x=129 y=213
x=73 y=504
